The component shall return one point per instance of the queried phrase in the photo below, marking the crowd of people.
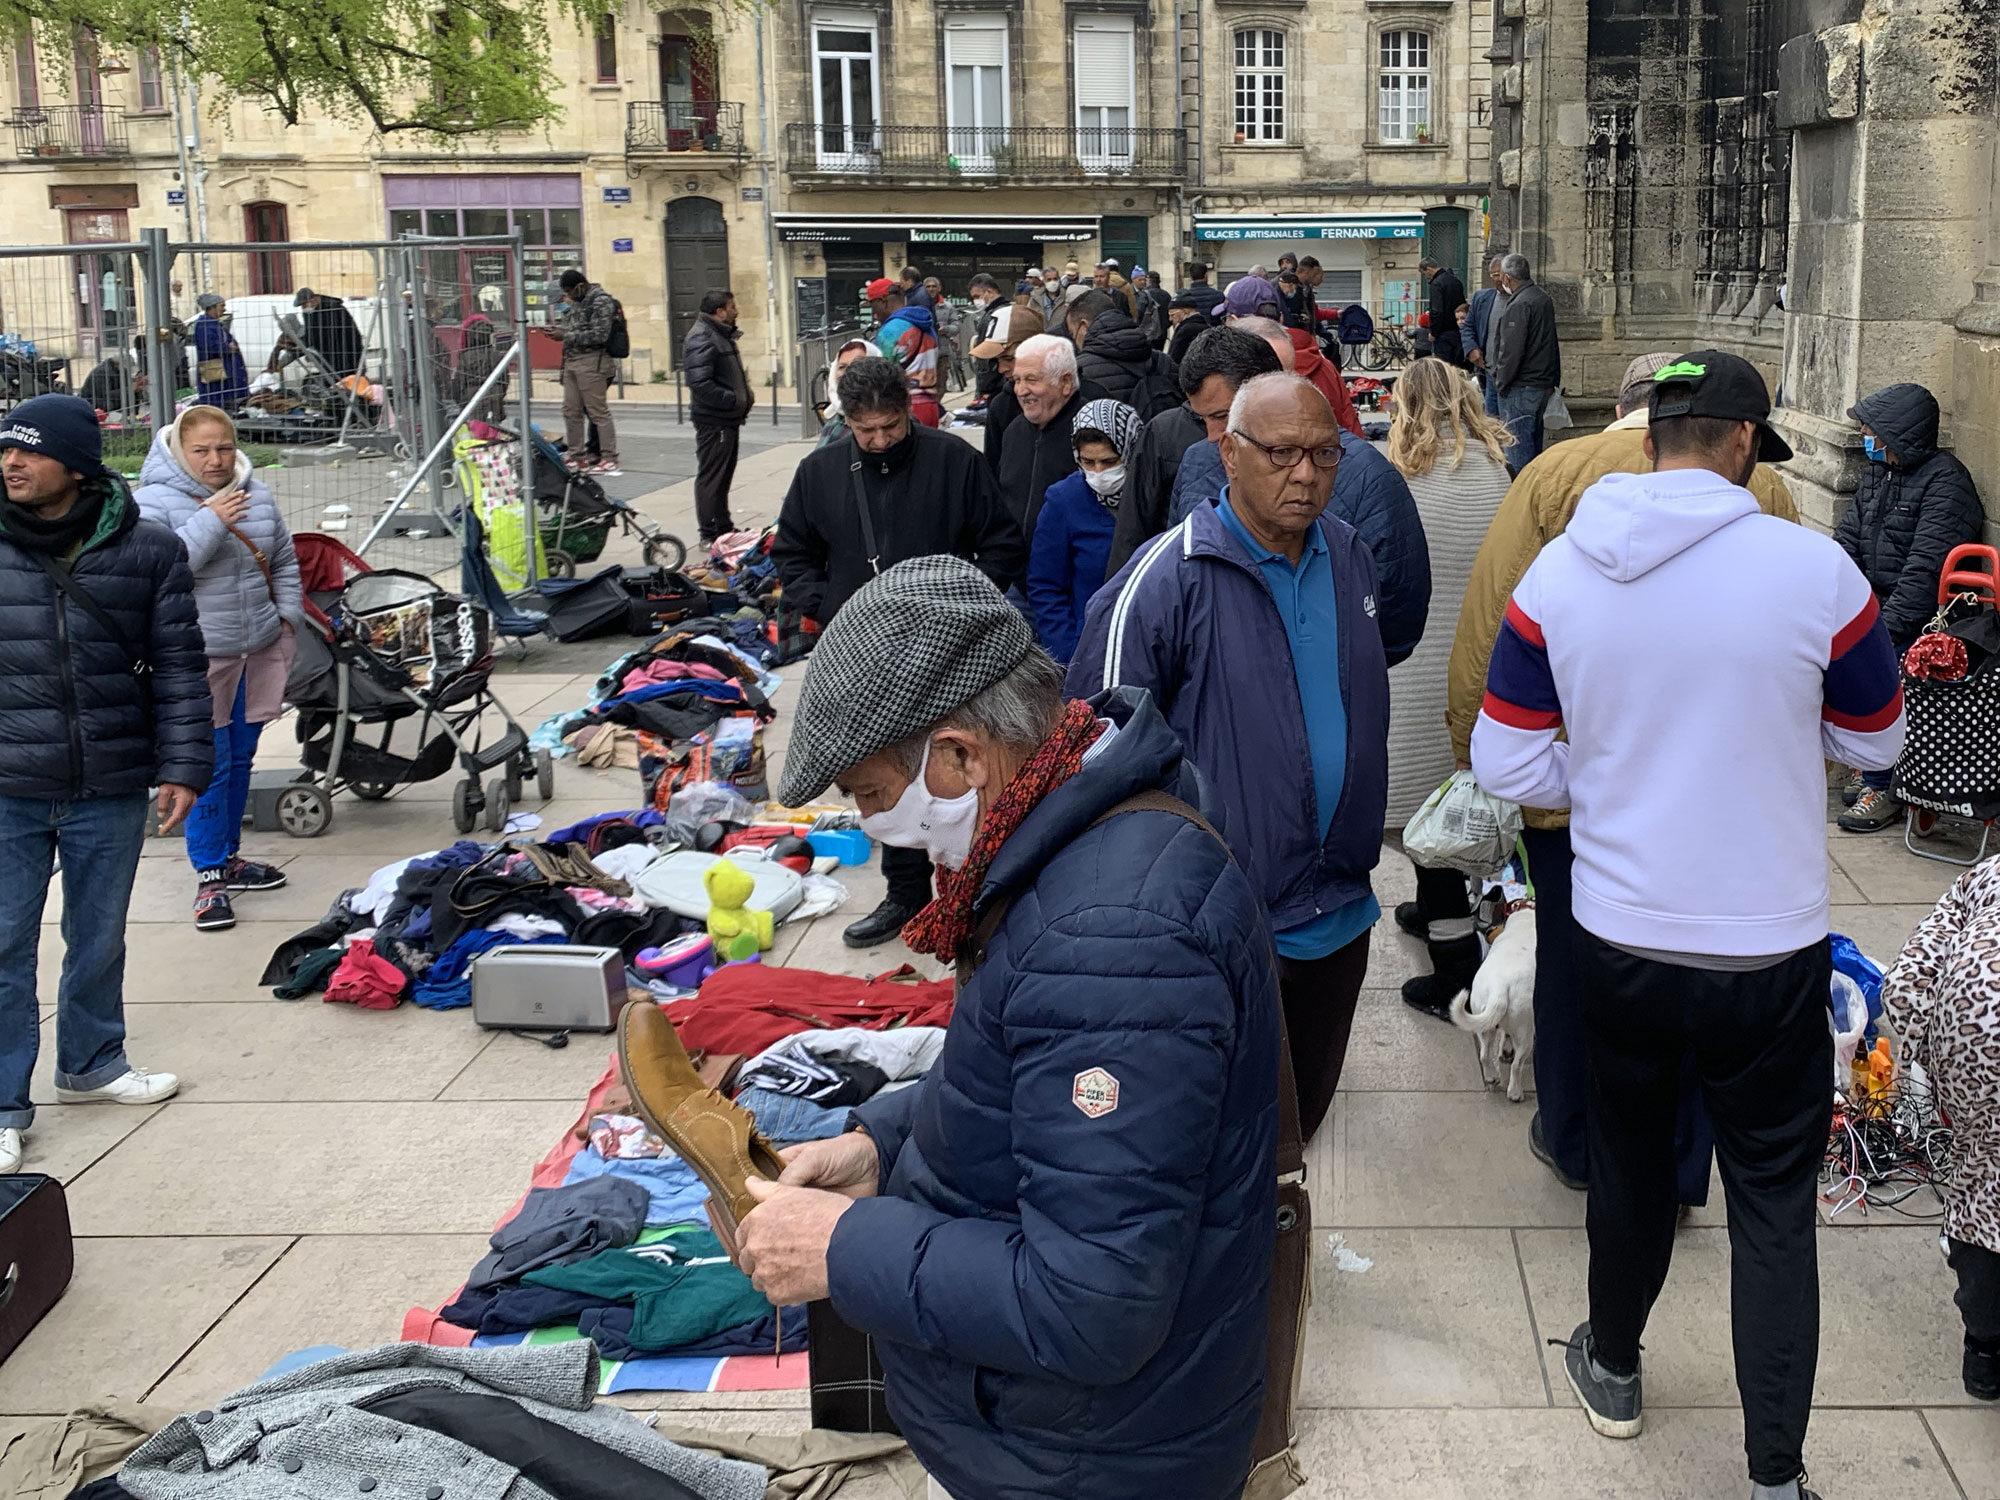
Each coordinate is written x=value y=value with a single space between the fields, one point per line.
x=1134 y=692
x=1122 y=590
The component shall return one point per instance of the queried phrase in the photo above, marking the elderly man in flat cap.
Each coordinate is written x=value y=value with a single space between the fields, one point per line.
x=1060 y=1238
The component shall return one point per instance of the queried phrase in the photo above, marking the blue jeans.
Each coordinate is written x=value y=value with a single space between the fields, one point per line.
x=215 y=826
x=1492 y=395
x=1521 y=409
x=99 y=839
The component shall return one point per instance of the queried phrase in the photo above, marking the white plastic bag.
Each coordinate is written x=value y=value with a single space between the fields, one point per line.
x=1848 y=1016
x=1555 y=416
x=1461 y=827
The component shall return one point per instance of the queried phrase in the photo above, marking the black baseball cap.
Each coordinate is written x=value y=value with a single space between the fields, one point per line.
x=1713 y=383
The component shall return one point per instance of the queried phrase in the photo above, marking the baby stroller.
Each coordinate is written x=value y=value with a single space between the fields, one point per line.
x=575 y=517
x=1948 y=767
x=385 y=646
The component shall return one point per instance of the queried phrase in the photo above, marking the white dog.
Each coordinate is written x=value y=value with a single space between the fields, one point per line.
x=1500 y=1006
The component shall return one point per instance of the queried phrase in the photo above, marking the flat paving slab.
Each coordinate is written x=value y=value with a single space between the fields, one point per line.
x=326 y=1167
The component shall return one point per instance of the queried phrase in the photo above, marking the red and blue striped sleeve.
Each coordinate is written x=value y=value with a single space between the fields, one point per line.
x=1861 y=713
x=1516 y=751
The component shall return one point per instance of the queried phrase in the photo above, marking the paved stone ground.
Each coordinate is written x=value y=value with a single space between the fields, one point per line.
x=324 y=1168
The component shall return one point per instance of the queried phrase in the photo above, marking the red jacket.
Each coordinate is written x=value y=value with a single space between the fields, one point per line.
x=1316 y=368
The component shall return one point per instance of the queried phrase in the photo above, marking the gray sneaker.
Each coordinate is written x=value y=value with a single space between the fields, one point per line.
x=1851 y=789
x=1872 y=812
x=1612 y=1402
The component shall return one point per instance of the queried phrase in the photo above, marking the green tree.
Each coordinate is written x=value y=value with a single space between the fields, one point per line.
x=438 y=68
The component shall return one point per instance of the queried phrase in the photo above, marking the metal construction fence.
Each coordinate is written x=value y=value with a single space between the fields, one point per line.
x=348 y=400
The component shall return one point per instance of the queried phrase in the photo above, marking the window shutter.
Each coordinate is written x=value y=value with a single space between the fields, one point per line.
x=975 y=44
x=1103 y=64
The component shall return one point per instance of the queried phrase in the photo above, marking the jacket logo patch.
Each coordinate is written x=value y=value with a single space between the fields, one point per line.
x=1368 y=605
x=1095 y=1093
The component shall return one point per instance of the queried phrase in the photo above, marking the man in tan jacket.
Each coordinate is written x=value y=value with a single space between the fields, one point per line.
x=1536 y=511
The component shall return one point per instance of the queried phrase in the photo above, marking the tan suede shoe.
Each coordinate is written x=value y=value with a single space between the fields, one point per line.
x=711 y=1134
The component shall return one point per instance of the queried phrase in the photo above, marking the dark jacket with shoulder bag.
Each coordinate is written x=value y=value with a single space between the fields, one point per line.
x=1067 y=1273
x=111 y=698
x=930 y=494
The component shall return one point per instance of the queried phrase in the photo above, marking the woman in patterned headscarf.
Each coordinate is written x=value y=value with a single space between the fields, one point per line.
x=1073 y=533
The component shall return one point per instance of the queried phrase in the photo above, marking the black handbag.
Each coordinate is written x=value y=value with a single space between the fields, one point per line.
x=37 y=1257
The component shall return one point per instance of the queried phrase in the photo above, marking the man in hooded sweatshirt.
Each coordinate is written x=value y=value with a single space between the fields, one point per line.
x=103 y=694
x=908 y=335
x=1698 y=653
x=1914 y=504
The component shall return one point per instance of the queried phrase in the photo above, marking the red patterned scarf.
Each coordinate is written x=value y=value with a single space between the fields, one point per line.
x=940 y=927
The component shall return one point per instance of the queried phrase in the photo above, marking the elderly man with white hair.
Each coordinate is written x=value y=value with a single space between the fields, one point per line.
x=1253 y=624
x=1035 y=452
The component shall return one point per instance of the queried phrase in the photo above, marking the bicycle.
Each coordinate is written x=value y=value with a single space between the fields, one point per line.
x=1390 y=346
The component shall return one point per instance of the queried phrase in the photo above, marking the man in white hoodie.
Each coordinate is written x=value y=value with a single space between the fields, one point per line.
x=1699 y=654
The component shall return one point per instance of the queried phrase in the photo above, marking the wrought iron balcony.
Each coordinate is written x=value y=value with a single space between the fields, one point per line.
x=1043 y=154
x=700 y=125
x=69 y=130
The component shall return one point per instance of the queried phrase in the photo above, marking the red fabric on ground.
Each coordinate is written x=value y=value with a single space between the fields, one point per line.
x=744 y=1008
x=366 y=979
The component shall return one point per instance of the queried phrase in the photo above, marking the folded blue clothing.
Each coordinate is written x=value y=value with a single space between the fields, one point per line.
x=578 y=831
x=788 y=1120
x=610 y=1328
x=447 y=984
x=677 y=1194
x=514 y=1308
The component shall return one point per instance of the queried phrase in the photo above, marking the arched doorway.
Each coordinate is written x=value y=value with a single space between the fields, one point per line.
x=697 y=259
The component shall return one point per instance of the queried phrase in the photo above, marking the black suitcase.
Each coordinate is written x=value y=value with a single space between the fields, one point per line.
x=846 y=1377
x=584 y=610
x=36 y=1257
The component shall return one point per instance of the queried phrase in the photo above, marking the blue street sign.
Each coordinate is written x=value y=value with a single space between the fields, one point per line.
x=621 y=247
x=617 y=195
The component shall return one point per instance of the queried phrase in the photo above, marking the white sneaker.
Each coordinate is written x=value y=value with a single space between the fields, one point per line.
x=10 y=1151
x=134 y=1087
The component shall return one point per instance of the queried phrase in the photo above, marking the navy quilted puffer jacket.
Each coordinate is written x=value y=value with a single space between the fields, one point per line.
x=1069 y=1300
x=74 y=720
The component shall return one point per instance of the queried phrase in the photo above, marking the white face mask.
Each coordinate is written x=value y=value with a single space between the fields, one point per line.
x=1109 y=481
x=941 y=826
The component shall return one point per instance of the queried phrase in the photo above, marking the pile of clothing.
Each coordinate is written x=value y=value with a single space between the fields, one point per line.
x=691 y=684
x=621 y=1250
x=415 y=1419
x=414 y=929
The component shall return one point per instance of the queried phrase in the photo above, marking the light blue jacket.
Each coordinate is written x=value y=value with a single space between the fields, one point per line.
x=237 y=610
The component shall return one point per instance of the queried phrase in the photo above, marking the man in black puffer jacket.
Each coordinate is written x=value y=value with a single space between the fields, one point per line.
x=103 y=694
x=1113 y=355
x=1914 y=504
x=720 y=397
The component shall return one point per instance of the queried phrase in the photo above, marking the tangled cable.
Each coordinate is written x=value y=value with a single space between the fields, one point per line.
x=1884 y=1149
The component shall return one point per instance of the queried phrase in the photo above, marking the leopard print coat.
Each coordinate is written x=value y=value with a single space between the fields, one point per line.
x=1943 y=998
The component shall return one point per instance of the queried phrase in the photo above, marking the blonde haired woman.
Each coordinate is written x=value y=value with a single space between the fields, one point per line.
x=1454 y=457
x=246 y=591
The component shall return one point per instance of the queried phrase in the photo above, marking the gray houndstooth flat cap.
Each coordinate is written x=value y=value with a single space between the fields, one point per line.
x=907 y=649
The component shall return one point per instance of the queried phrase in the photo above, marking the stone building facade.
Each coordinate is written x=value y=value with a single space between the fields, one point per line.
x=795 y=150
x=1808 y=182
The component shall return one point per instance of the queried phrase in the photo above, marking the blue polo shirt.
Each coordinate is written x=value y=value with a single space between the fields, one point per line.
x=1305 y=600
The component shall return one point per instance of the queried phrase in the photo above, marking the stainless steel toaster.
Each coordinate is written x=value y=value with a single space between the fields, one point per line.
x=548 y=987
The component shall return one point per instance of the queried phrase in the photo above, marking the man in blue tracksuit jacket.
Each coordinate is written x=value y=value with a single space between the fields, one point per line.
x=1253 y=625
x=1369 y=494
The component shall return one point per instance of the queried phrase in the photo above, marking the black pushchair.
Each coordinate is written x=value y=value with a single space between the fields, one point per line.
x=384 y=647
x=575 y=515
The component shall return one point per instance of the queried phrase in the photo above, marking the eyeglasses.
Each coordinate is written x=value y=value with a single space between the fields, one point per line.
x=1286 y=456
